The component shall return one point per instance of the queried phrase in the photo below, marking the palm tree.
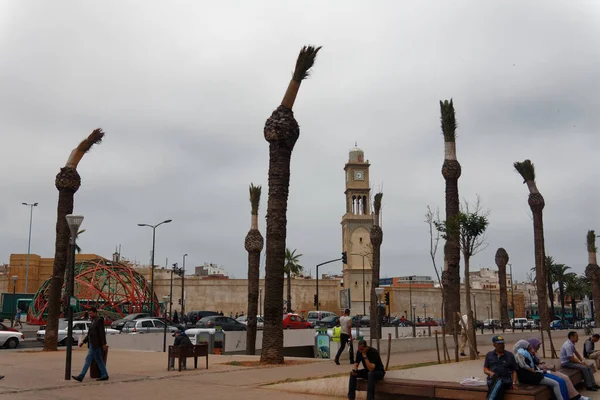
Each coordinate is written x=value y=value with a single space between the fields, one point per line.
x=67 y=182
x=77 y=248
x=292 y=267
x=254 y=244
x=282 y=132
x=451 y=171
x=536 y=203
x=501 y=261
x=560 y=275
x=574 y=289
x=376 y=240
x=592 y=272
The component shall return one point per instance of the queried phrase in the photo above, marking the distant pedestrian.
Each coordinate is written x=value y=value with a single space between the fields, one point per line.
x=230 y=314
x=96 y=340
x=236 y=316
x=18 y=318
x=175 y=317
x=345 y=336
x=221 y=313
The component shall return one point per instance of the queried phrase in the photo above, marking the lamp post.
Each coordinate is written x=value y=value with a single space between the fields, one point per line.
x=363 y=280
x=260 y=301
x=165 y=298
x=30 y=205
x=183 y=286
x=14 y=279
x=74 y=222
x=171 y=292
x=491 y=311
x=425 y=311
x=412 y=309
x=379 y=293
x=152 y=262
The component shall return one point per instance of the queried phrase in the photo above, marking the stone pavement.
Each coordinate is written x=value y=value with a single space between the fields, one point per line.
x=36 y=375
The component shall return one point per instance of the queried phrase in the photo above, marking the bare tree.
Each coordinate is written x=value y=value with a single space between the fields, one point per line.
x=431 y=219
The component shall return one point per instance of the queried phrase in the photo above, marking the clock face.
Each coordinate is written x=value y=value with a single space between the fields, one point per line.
x=359 y=175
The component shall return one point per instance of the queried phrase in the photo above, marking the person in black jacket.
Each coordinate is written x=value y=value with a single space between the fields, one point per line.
x=373 y=370
x=181 y=339
x=96 y=340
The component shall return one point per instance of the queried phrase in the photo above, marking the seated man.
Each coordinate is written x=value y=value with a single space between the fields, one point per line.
x=570 y=358
x=589 y=350
x=501 y=368
x=181 y=339
x=373 y=370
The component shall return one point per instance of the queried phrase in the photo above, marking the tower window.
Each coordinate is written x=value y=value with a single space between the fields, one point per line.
x=360 y=240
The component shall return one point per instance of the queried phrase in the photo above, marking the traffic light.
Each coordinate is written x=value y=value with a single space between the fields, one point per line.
x=387 y=298
x=316 y=300
x=344 y=258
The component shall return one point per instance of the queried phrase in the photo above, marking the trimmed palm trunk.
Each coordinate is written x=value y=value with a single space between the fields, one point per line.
x=592 y=272
x=282 y=132
x=536 y=203
x=501 y=261
x=254 y=244
x=376 y=240
x=67 y=182
x=451 y=171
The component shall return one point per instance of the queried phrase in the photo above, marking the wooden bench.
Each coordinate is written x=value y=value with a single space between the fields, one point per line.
x=391 y=388
x=188 y=351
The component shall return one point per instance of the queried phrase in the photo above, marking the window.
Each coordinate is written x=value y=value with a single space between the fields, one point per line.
x=159 y=324
x=147 y=324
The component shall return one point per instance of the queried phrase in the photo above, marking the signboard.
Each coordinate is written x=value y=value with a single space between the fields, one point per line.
x=73 y=301
x=345 y=300
x=385 y=281
x=322 y=343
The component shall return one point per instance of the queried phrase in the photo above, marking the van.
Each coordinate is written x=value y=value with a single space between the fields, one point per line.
x=519 y=323
x=314 y=316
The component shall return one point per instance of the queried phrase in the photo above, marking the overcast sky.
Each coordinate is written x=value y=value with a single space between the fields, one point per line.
x=183 y=89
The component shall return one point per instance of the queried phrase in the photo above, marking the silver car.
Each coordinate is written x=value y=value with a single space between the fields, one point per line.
x=80 y=328
x=146 y=325
x=260 y=322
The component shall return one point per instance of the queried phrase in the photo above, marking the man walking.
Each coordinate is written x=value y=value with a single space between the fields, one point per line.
x=373 y=370
x=181 y=339
x=18 y=318
x=345 y=336
x=463 y=336
x=500 y=367
x=96 y=340
x=570 y=358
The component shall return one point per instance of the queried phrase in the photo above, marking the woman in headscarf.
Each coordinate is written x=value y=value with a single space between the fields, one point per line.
x=528 y=373
x=551 y=373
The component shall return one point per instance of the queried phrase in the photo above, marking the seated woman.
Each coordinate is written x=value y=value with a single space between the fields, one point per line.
x=528 y=373
x=550 y=372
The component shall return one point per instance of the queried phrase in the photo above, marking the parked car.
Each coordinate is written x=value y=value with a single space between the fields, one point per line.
x=558 y=324
x=519 y=323
x=120 y=323
x=314 y=316
x=4 y=327
x=170 y=323
x=226 y=323
x=428 y=322
x=492 y=323
x=260 y=322
x=194 y=316
x=80 y=328
x=147 y=325
x=328 y=322
x=10 y=339
x=294 y=321
x=398 y=322
x=365 y=320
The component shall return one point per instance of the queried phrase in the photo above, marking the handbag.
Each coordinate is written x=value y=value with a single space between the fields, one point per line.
x=529 y=377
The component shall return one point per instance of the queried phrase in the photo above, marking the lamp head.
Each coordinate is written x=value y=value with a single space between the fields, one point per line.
x=379 y=292
x=14 y=278
x=167 y=221
x=74 y=222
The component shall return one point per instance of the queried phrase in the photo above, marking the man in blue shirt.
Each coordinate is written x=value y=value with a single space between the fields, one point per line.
x=570 y=358
x=500 y=367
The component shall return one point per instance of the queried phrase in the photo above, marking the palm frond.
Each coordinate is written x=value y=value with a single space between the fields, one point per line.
x=255 y=192
x=94 y=138
x=377 y=202
x=448 y=119
x=591 y=242
x=526 y=169
x=305 y=61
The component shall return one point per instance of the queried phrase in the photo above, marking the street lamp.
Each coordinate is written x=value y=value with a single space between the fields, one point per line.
x=30 y=205
x=410 y=279
x=183 y=286
x=74 y=222
x=152 y=261
x=14 y=279
x=165 y=298
x=363 y=280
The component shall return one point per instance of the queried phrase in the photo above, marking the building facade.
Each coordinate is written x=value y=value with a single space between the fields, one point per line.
x=487 y=278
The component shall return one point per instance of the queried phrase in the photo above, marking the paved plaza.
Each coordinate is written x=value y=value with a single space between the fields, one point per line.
x=33 y=374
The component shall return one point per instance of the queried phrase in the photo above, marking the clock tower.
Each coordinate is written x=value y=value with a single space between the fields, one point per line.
x=356 y=229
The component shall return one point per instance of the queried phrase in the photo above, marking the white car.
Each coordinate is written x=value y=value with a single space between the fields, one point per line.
x=260 y=322
x=10 y=339
x=80 y=328
x=146 y=325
